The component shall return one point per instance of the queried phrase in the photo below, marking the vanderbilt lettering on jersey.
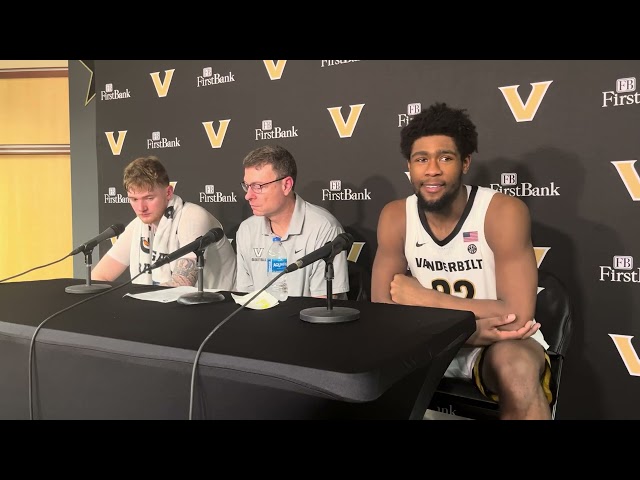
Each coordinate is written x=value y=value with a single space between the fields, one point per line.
x=461 y=264
x=455 y=266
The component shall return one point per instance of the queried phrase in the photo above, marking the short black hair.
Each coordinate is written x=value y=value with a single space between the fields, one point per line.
x=440 y=119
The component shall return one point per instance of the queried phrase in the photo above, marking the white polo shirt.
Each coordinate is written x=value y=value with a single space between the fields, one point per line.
x=310 y=228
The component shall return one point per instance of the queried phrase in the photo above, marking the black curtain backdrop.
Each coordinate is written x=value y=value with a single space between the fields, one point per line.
x=561 y=135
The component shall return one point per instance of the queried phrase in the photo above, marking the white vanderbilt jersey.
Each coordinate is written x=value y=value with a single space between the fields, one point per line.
x=461 y=264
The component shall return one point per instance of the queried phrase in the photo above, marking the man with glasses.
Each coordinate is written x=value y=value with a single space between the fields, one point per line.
x=269 y=179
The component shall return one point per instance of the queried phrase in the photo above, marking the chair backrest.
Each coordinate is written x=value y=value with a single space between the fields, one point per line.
x=359 y=282
x=554 y=311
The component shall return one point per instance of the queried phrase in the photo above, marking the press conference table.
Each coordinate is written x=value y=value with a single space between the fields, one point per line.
x=115 y=357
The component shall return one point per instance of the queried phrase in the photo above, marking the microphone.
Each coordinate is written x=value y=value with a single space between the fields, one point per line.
x=212 y=236
x=113 y=231
x=328 y=250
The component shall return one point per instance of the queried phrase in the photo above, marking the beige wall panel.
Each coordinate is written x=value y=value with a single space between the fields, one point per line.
x=34 y=111
x=36 y=221
x=33 y=63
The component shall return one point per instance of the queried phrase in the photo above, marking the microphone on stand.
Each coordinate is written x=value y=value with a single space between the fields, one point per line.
x=199 y=243
x=112 y=231
x=198 y=246
x=327 y=252
x=87 y=248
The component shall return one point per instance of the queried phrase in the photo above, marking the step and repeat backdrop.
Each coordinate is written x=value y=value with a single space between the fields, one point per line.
x=560 y=135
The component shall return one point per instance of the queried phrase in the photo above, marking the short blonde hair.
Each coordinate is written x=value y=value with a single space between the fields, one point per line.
x=145 y=172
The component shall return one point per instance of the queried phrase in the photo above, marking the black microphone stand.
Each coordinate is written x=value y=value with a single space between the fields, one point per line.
x=200 y=296
x=88 y=287
x=331 y=314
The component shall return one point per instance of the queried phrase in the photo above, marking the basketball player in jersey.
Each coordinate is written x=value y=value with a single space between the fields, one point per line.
x=467 y=248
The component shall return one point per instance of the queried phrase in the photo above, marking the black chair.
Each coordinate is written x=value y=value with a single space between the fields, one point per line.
x=359 y=282
x=554 y=311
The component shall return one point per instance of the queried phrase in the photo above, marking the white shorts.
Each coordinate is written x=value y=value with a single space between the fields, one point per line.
x=462 y=364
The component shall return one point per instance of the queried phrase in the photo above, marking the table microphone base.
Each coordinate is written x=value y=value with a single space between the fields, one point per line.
x=96 y=287
x=197 y=298
x=324 y=315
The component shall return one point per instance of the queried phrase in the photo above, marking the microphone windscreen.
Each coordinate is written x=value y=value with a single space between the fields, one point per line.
x=118 y=228
x=214 y=235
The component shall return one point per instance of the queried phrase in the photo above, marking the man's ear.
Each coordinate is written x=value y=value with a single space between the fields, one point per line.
x=466 y=163
x=287 y=185
x=169 y=192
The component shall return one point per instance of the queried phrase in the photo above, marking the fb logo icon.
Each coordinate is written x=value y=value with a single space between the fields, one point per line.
x=414 y=108
x=112 y=191
x=335 y=185
x=267 y=125
x=623 y=262
x=207 y=72
x=108 y=87
x=624 y=85
x=209 y=189
x=155 y=136
x=509 y=178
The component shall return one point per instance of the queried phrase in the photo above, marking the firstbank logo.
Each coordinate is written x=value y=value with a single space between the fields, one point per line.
x=405 y=118
x=621 y=271
x=333 y=63
x=210 y=195
x=524 y=112
x=158 y=141
x=110 y=94
x=627 y=352
x=268 y=131
x=335 y=192
x=209 y=78
x=114 y=197
x=162 y=86
x=216 y=138
x=509 y=185
x=275 y=69
x=345 y=129
x=116 y=145
x=629 y=176
x=623 y=86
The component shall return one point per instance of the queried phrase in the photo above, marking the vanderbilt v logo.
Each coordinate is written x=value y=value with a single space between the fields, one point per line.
x=162 y=88
x=540 y=252
x=356 y=250
x=627 y=352
x=524 y=112
x=116 y=146
x=345 y=129
x=629 y=177
x=275 y=69
x=216 y=139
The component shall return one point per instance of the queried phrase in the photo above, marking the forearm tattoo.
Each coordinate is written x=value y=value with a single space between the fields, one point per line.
x=185 y=273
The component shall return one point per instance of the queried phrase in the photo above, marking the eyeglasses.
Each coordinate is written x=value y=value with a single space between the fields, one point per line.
x=257 y=187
